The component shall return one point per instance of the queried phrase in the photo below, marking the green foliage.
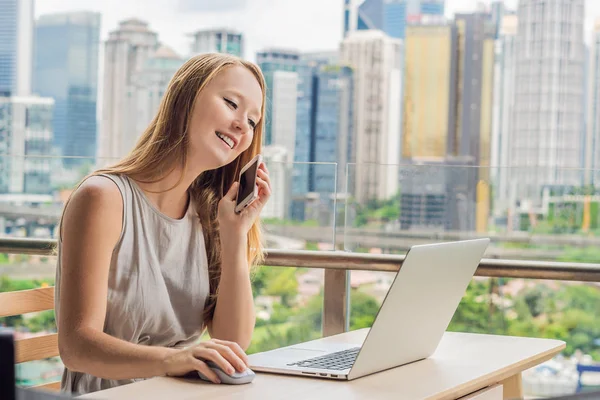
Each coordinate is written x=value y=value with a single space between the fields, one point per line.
x=476 y=313
x=43 y=321
x=376 y=212
x=582 y=254
x=363 y=309
x=282 y=282
x=13 y=285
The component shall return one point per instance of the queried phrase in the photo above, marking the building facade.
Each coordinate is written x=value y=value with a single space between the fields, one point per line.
x=125 y=54
x=389 y=16
x=218 y=41
x=66 y=69
x=16 y=47
x=279 y=68
x=548 y=106
x=592 y=145
x=25 y=141
x=448 y=117
x=146 y=89
x=376 y=60
x=504 y=86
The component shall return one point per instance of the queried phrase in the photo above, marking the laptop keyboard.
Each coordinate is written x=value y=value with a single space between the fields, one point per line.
x=339 y=360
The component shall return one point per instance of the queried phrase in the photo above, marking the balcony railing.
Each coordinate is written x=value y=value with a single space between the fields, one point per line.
x=337 y=264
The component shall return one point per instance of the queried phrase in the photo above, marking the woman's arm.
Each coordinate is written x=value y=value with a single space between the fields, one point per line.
x=234 y=317
x=91 y=227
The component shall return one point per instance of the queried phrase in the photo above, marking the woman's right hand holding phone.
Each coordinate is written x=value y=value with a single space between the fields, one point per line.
x=229 y=356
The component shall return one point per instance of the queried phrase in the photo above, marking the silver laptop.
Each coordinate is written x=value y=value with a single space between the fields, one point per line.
x=408 y=327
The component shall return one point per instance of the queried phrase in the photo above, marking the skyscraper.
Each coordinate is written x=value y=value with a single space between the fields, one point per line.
x=126 y=51
x=548 y=103
x=279 y=68
x=323 y=130
x=66 y=69
x=376 y=60
x=447 y=117
x=16 y=47
x=504 y=89
x=389 y=16
x=218 y=41
x=25 y=132
x=592 y=144
x=146 y=89
x=498 y=10
x=430 y=88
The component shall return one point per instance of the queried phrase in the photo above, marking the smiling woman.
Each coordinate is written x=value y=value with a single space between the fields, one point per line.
x=151 y=251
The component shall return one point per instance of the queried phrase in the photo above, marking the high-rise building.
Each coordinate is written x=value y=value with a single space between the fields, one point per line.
x=592 y=144
x=504 y=89
x=66 y=69
x=548 y=103
x=146 y=89
x=497 y=13
x=323 y=131
x=25 y=134
x=279 y=68
x=125 y=53
x=16 y=47
x=430 y=88
x=376 y=60
x=218 y=41
x=448 y=109
x=389 y=16
x=276 y=159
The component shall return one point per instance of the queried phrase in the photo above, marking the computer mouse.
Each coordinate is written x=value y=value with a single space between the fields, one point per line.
x=238 y=378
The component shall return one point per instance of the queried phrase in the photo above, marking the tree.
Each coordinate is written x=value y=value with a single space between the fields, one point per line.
x=363 y=309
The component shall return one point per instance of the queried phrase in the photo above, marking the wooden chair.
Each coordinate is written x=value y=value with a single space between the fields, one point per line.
x=37 y=348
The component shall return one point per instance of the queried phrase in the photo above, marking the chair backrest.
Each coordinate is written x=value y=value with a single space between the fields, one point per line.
x=36 y=348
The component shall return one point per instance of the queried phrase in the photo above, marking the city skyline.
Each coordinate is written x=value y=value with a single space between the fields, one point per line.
x=256 y=19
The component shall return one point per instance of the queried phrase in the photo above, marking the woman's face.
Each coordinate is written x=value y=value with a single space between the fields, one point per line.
x=224 y=117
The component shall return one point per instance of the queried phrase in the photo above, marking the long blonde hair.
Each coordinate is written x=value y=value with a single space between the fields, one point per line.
x=165 y=142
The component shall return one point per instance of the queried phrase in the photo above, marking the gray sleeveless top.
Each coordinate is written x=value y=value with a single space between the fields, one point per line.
x=157 y=284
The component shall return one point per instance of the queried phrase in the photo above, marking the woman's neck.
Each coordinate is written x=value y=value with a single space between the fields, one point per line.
x=169 y=194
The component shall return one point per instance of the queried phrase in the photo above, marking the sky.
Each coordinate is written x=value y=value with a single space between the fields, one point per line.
x=304 y=25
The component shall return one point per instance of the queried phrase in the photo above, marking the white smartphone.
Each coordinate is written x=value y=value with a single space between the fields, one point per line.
x=248 y=191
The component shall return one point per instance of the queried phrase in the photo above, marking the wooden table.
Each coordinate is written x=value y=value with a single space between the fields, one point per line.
x=462 y=365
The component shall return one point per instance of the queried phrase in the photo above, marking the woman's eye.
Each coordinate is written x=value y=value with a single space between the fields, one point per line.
x=231 y=103
x=252 y=123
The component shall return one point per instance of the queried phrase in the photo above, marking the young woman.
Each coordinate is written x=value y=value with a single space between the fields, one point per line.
x=150 y=249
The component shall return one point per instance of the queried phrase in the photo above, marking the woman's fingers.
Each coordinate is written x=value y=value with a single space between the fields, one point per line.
x=213 y=355
x=228 y=353
x=201 y=367
x=235 y=348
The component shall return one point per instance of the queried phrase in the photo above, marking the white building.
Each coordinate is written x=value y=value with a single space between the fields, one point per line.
x=125 y=54
x=25 y=136
x=592 y=143
x=283 y=111
x=146 y=89
x=16 y=47
x=548 y=107
x=25 y=24
x=276 y=159
x=376 y=60
x=504 y=81
x=218 y=41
